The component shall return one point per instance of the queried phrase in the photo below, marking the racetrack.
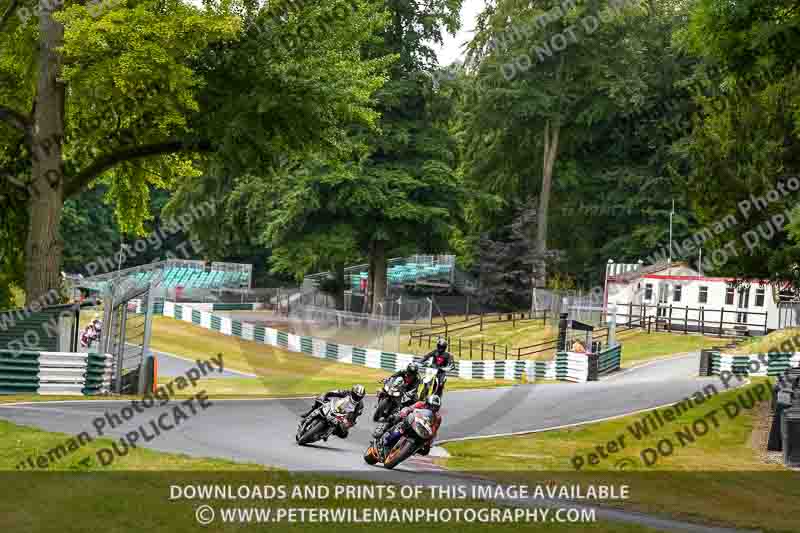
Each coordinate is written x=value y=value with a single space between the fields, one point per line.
x=262 y=431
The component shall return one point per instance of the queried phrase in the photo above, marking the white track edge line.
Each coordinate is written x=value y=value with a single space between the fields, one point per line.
x=565 y=426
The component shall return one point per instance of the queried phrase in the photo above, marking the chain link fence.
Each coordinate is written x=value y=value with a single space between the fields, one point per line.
x=342 y=327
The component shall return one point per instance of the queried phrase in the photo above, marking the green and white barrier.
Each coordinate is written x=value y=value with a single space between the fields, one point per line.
x=753 y=364
x=609 y=360
x=55 y=373
x=566 y=366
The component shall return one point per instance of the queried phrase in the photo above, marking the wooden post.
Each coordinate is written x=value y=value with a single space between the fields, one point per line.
x=470 y=349
x=481 y=350
x=670 y=318
x=506 y=351
x=686 y=321
x=721 y=314
x=765 y=322
x=702 y=320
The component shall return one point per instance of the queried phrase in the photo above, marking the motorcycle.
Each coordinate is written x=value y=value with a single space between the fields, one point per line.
x=322 y=422
x=432 y=382
x=421 y=422
x=391 y=397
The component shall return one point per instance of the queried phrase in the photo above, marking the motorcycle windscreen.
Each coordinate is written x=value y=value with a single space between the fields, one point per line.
x=421 y=421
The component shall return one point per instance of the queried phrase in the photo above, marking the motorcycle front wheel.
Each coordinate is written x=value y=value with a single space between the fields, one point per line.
x=400 y=453
x=313 y=433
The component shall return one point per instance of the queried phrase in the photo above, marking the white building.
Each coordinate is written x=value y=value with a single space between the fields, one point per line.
x=683 y=299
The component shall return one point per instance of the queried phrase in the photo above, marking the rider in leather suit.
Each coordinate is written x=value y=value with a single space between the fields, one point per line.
x=357 y=393
x=442 y=359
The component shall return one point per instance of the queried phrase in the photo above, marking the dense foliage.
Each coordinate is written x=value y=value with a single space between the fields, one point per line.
x=328 y=134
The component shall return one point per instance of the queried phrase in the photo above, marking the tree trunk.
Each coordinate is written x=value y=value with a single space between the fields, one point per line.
x=551 y=134
x=339 y=295
x=44 y=248
x=378 y=274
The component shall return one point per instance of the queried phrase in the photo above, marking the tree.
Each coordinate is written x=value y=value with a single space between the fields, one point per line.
x=59 y=137
x=146 y=93
x=509 y=261
x=386 y=188
x=544 y=78
x=745 y=141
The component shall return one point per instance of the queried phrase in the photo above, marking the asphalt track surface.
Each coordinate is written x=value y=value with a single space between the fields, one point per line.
x=262 y=431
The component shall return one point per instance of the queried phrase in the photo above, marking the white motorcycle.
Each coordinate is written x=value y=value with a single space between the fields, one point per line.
x=323 y=421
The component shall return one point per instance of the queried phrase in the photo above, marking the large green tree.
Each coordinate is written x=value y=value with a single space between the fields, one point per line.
x=389 y=188
x=545 y=77
x=745 y=144
x=146 y=92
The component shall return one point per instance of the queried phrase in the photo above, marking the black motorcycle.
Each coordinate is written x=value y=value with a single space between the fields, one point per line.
x=323 y=421
x=391 y=397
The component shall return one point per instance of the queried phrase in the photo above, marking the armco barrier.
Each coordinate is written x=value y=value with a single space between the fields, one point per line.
x=567 y=366
x=750 y=364
x=55 y=373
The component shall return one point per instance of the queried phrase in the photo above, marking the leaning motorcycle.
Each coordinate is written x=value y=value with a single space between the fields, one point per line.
x=421 y=432
x=322 y=422
x=391 y=397
x=432 y=382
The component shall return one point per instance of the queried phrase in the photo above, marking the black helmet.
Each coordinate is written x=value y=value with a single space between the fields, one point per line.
x=357 y=392
x=441 y=345
x=413 y=368
x=433 y=402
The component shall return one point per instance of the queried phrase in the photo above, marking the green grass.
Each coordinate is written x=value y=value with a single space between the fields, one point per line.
x=133 y=494
x=719 y=478
x=638 y=347
x=280 y=372
x=781 y=340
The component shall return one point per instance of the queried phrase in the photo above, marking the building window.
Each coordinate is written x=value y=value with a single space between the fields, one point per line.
x=729 y=296
x=703 y=298
x=676 y=294
x=760 y=297
x=648 y=292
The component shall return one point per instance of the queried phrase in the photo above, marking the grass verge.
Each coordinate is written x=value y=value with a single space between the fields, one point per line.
x=717 y=477
x=86 y=497
x=280 y=373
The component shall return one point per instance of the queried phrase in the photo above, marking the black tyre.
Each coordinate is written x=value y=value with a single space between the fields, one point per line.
x=370 y=457
x=382 y=410
x=400 y=453
x=313 y=433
